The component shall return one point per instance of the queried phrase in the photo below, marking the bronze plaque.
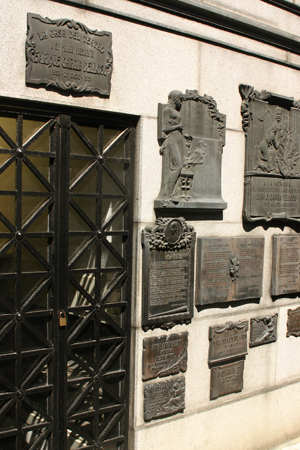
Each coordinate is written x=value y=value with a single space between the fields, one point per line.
x=164 y=398
x=68 y=56
x=286 y=260
x=229 y=269
x=263 y=330
x=168 y=273
x=191 y=135
x=227 y=341
x=226 y=379
x=272 y=164
x=293 y=322
x=164 y=355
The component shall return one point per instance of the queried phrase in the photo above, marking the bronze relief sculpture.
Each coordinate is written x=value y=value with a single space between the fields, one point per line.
x=191 y=134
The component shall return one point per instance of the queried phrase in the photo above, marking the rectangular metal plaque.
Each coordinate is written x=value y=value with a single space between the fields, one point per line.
x=272 y=164
x=227 y=341
x=164 y=398
x=226 y=379
x=68 y=56
x=164 y=355
x=229 y=269
x=263 y=330
x=293 y=322
x=286 y=260
x=168 y=273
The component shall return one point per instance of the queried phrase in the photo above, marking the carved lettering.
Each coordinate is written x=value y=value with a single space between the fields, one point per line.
x=164 y=398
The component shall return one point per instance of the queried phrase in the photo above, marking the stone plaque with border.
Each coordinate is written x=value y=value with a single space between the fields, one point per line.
x=293 y=322
x=229 y=269
x=272 y=163
x=263 y=330
x=286 y=260
x=164 y=355
x=164 y=398
x=68 y=56
x=168 y=273
x=227 y=341
x=226 y=379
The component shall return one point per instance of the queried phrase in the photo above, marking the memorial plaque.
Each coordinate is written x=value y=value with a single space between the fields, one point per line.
x=227 y=341
x=229 y=269
x=293 y=322
x=164 y=355
x=286 y=260
x=164 y=398
x=168 y=273
x=68 y=56
x=263 y=330
x=272 y=163
x=226 y=379
x=191 y=135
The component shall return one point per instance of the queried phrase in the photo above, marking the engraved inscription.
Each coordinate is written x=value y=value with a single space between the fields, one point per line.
x=263 y=330
x=68 y=55
x=286 y=260
x=164 y=355
x=226 y=379
x=293 y=322
x=168 y=273
x=164 y=398
x=229 y=269
x=227 y=341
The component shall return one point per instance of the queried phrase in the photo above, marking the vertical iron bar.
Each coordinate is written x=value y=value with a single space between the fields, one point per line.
x=61 y=276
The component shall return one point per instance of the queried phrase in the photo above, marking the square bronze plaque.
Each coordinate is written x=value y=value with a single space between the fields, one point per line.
x=226 y=379
x=68 y=56
x=229 y=269
x=272 y=164
x=168 y=273
x=293 y=322
x=164 y=355
x=286 y=260
x=227 y=341
x=263 y=330
x=164 y=398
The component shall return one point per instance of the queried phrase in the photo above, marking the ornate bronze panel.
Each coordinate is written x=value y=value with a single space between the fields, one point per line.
x=263 y=330
x=164 y=398
x=285 y=269
x=226 y=379
x=229 y=269
x=227 y=341
x=164 y=355
x=293 y=322
x=272 y=166
x=68 y=56
x=168 y=273
x=191 y=135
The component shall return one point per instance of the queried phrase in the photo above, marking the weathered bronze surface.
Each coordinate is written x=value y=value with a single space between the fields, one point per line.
x=164 y=355
x=272 y=165
x=227 y=341
x=229 y=269
x=168 y=273
x=286 y=260
x=191 y=135
x=68 y=56
x=164 y=398
x=226 y=379
x=263 y=330
x=293 y=322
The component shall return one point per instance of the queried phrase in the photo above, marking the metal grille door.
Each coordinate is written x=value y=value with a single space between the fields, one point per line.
x=64 y=292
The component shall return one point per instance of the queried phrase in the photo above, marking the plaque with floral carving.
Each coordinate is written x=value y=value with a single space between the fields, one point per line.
x=168 y=273
x=293 y=322
x=263 y=330
x=227 y=341
x=67 y=56
x=191 y=135
x=271 y=124
x=164 y=398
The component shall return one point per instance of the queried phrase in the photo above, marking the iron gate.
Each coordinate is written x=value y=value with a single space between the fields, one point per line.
x=65 y=257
